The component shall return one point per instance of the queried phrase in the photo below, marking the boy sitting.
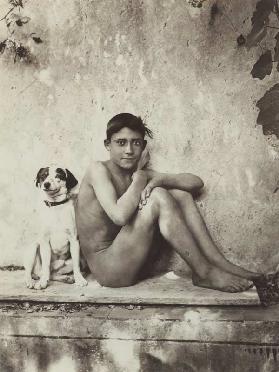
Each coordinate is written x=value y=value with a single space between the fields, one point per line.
x=121 y=204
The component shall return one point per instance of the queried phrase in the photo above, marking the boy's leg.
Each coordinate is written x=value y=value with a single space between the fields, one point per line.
x=119 y=264
x=199 y=230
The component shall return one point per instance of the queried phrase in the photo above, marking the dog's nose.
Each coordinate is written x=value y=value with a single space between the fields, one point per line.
x=46 y=185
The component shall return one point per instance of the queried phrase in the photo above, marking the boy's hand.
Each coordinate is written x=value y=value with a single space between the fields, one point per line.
x=144 y=159
x=146 y=193
x=140 y=175
x=155 y=181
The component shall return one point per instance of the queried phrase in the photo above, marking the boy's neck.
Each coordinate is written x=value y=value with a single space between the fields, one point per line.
x=119 y=170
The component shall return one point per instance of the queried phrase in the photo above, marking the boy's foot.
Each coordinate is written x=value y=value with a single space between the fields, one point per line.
x=222 y=281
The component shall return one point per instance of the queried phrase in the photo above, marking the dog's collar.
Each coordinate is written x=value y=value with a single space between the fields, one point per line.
x=53 y=204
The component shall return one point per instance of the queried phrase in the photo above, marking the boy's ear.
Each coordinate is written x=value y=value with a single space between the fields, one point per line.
x=107 y=143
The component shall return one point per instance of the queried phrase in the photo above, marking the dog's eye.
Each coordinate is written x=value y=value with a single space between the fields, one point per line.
x=43 y=177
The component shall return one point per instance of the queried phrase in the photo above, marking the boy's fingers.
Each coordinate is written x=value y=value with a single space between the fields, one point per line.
x=144 y=195
x=148 y=191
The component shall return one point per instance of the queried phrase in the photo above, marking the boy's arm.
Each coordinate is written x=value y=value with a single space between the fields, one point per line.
x=182 y=181
x=119 y=210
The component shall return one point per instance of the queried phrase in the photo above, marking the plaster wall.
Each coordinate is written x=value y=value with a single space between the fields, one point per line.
x=76 y=338
x=51 y=355
x=177 y=65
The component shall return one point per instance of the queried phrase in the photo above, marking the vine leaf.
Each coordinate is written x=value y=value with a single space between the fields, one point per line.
x=16 y=3
x=259 y=20
x=276 y=51
x=2 y=46
x=268 y=116
x=37 y=40
x=263 y=66
x=21 y=20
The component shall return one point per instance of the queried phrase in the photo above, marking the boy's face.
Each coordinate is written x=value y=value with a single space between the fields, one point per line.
x=126 y=147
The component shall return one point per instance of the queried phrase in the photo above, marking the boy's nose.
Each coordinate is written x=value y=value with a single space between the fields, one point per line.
x=129 y=148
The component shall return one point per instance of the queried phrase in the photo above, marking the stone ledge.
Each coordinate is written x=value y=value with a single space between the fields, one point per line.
x=167 y=289
x=240 y=325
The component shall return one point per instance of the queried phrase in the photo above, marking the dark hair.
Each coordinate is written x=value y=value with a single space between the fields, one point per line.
x=130 y=121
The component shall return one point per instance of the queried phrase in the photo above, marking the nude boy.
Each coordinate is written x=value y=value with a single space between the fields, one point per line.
x=120 y=205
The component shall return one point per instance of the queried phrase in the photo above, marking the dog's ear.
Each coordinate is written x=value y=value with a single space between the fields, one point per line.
x=39 y=175
x=71 y=180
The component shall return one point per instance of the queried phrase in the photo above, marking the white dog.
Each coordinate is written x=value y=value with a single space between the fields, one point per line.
x=57 y=239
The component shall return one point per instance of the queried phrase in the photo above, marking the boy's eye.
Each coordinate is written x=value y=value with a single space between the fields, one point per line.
x=137 y=142
x=121 y=142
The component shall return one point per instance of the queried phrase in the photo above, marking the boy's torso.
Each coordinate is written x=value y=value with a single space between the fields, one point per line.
x=96 y=230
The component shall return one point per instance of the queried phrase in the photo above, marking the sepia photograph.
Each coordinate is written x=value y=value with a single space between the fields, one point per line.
x=139 y=185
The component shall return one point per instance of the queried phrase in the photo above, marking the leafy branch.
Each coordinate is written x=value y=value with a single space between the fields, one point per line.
x=268 y=105
x=17 y=48
x=260 y=25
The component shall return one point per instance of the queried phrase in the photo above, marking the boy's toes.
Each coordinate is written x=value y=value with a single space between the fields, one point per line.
x=244 y=286
x=249 y=285
x=238 y=286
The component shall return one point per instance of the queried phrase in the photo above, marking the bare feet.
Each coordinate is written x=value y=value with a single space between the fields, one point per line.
x=222 y=281
x=237 y=270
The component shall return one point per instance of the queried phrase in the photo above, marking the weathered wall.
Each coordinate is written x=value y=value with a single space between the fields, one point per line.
x=180 y=67
x=55 y=355
x=57 y=338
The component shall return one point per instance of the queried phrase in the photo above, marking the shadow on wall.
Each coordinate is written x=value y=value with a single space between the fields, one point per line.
x=149 y=362
x=48 y=354
x=265 y=27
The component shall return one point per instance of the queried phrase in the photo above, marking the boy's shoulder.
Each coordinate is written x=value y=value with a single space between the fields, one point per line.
x=97 y=169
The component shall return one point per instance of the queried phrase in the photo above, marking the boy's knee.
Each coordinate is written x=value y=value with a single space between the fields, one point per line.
x=159 y=198
x=182 y=195
x=159 y=194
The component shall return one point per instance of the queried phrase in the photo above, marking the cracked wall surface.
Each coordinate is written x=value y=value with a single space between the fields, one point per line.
x=184 y=66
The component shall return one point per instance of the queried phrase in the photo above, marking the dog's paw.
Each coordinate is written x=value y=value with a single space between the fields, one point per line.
x=41 y=284
x=80 y=281
x=68 y=279
x=30 y=283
